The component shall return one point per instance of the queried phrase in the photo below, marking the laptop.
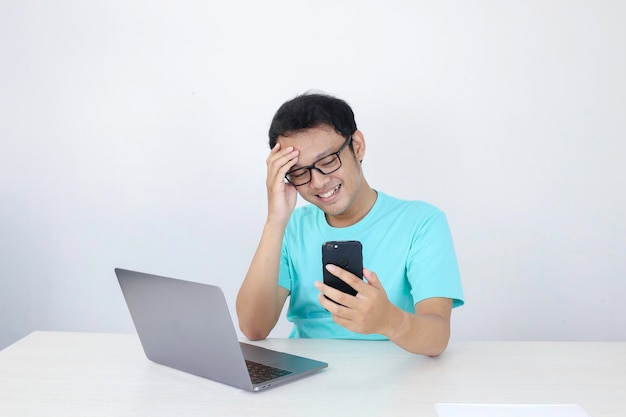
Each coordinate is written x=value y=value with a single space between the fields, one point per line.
x=187 y=326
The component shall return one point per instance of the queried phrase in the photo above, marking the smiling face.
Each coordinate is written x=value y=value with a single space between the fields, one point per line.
x=343 y=195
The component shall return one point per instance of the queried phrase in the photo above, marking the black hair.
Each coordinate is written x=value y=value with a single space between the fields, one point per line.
x=308 y=111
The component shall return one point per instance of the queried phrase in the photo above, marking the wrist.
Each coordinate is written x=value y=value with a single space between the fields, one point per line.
x=276 y=222
x=398 y=323
x=275 y=226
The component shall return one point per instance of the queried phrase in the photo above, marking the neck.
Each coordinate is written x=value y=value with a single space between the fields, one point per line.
x=361 y=205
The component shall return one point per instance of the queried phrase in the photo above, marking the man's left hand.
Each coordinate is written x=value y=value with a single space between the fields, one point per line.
x=370 y=311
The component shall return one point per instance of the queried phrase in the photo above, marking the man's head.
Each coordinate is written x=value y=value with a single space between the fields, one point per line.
x=310 y=111
x=327 y=172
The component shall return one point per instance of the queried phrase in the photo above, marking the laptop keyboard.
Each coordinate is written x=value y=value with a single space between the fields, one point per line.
x=260 y=373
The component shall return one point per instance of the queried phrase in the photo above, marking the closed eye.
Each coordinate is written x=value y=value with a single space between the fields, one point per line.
x=327 y=161
x=298 y=173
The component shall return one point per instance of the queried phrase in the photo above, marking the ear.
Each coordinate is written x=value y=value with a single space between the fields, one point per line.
x=358 y=144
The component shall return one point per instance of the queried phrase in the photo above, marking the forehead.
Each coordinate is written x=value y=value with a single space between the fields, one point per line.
x=313 y=143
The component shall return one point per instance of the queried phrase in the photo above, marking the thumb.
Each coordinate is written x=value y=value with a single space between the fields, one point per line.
x=371 y=278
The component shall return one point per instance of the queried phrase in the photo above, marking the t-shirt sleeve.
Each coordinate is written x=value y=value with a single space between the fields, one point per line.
x=432 y=267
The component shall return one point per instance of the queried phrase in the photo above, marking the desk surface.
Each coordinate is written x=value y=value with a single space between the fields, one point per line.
x=95 y=374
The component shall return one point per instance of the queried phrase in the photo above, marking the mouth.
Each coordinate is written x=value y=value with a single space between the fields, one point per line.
x=329 y=193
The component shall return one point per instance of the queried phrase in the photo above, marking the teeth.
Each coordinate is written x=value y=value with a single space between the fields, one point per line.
x=331 y=192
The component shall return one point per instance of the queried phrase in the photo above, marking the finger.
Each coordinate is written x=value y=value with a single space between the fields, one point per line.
x=347 y=277
x=278 y=151
x=285 y=162
x=336 y=310
x=279 y=162
x=335 y=295
x=341 y=315
x=277 y=154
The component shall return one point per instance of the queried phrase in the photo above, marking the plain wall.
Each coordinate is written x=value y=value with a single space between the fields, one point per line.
x=134 y=134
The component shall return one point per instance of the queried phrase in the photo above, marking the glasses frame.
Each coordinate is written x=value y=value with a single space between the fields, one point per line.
x=312 y=167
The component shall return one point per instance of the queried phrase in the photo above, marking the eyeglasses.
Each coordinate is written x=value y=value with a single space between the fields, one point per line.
x=326 y=165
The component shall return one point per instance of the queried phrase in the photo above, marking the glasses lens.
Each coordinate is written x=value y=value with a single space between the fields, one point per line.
x=329 y=164
x=299 y=176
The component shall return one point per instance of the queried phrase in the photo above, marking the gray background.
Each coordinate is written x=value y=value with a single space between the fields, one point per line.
x=133 y=134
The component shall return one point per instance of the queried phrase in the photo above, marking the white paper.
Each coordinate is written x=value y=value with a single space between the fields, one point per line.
x=510 y=410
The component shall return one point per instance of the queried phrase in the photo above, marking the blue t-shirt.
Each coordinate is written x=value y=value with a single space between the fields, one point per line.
x=406 y=243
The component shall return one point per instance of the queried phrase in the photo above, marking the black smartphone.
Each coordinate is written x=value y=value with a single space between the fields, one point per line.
x=346 y=254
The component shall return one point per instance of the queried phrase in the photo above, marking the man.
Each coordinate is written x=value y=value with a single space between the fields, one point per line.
x=411 y=279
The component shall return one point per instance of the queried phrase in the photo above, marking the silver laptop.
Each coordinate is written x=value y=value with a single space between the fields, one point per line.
x=187 y=326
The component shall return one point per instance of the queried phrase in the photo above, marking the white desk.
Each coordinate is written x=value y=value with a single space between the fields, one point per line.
x=92 y=374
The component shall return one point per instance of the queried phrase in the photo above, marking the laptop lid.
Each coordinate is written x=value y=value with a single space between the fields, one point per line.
x=187 y=326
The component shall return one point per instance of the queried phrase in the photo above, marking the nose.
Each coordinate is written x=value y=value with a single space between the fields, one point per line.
x=318 y=180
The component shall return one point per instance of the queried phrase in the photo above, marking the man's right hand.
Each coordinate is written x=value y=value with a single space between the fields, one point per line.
x=281 y=195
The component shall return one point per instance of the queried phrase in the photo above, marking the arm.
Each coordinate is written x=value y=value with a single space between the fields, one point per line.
x=260 y=299
x=426 y=332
